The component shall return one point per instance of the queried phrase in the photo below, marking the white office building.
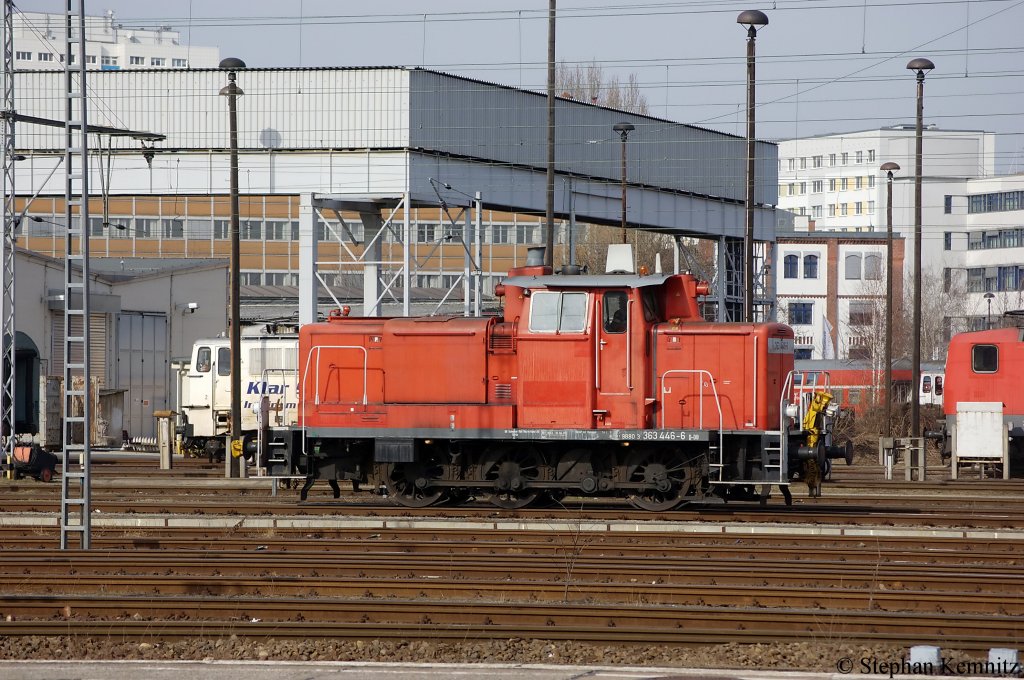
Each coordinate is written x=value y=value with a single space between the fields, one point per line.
x=972 y=220
x=39 y=43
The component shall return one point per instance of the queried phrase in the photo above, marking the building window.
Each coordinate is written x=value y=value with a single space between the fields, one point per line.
x=792 y=189
x=250 y=230
x=45 y=56
x=947 y=204
x=858 y=208
x=792 y=164
x=845 y=209
x=810 y=266
x=500 y=233
x=846 y=158
x=832 y=184
x=156 y=61
x=137 y=61
x=843 y=184
x=802 y=353
x=871 y=155
x=425 y=232
x=800 y=313
x=853 y=267
x=861 y=313
x=803 y=188
x=997 y=202
x=817 y=161
x=831 y=209
x=277 y=231
x=871 y=181
x=23 y=56
x=817 y=186
x=858 y=182
x=108 y=61
x=947 y=241
x=250 y=278
x=90 y=59
x=816 y=210
x=860 y=157
x=173 y=228
x=832 y=160
x=144 y=227
x=803 y=163
x=179 y=63
x=789 y=266
x=527 y=233
x=947 y=279
x=872 y=267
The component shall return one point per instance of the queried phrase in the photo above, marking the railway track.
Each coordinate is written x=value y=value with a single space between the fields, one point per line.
x=583 y=593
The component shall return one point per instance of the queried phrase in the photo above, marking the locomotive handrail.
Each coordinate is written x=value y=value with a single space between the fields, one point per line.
x=714 y=392
x=714 y=389
x=284 y=373
x=305 y=370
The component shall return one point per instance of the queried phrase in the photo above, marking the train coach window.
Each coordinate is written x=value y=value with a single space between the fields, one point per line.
x=985 y=358
x=203 y=357
x=223 y=361
x=938 y=385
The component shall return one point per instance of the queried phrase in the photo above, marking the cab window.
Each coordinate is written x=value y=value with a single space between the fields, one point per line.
x=985 y=358
x=223 y=361
x=203 y=357
x=552 y=312
x=614 y=311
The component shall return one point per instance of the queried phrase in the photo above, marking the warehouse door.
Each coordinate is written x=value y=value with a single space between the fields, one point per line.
x=142 y=369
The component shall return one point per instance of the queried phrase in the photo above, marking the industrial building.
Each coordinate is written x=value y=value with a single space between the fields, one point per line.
x=402 y=180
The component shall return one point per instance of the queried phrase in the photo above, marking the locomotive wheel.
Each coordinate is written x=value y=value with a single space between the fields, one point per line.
x=667 y=475
x=506 y=471
x=408 y=484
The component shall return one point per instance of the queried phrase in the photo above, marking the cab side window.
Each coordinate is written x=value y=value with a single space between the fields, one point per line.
x=614 y=311
x=223 y=361
x=203 y=357
x=985 y=358
x=552 y=312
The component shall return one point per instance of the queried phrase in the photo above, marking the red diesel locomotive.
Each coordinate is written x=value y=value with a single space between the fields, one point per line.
x=590 y=385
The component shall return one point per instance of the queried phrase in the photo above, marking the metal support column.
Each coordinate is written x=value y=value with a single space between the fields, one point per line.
x=373 y=255
x=729 y=287
x=478 y=238
x=77 y=411
x=308 y=292
x=7 y=366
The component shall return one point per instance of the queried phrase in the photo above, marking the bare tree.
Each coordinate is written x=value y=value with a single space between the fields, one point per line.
x=588 y=84
x=592 y=250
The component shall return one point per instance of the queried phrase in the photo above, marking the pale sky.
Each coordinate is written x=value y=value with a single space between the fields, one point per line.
x=822 y=65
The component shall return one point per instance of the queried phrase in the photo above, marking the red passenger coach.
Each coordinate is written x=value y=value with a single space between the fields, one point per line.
x=601 y=385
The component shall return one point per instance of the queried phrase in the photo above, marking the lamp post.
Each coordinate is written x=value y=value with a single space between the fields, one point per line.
x=888 y=168
x=988 y=317
x=233 y=92
x=623 y=129
x=921 y=65
x=752 y=19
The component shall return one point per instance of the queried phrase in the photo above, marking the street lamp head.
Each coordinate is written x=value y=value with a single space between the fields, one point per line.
x=989 y=296
x=231 y=64
x=623 y=129
x=921 y=65
x=752 y=17
x=890 y=167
